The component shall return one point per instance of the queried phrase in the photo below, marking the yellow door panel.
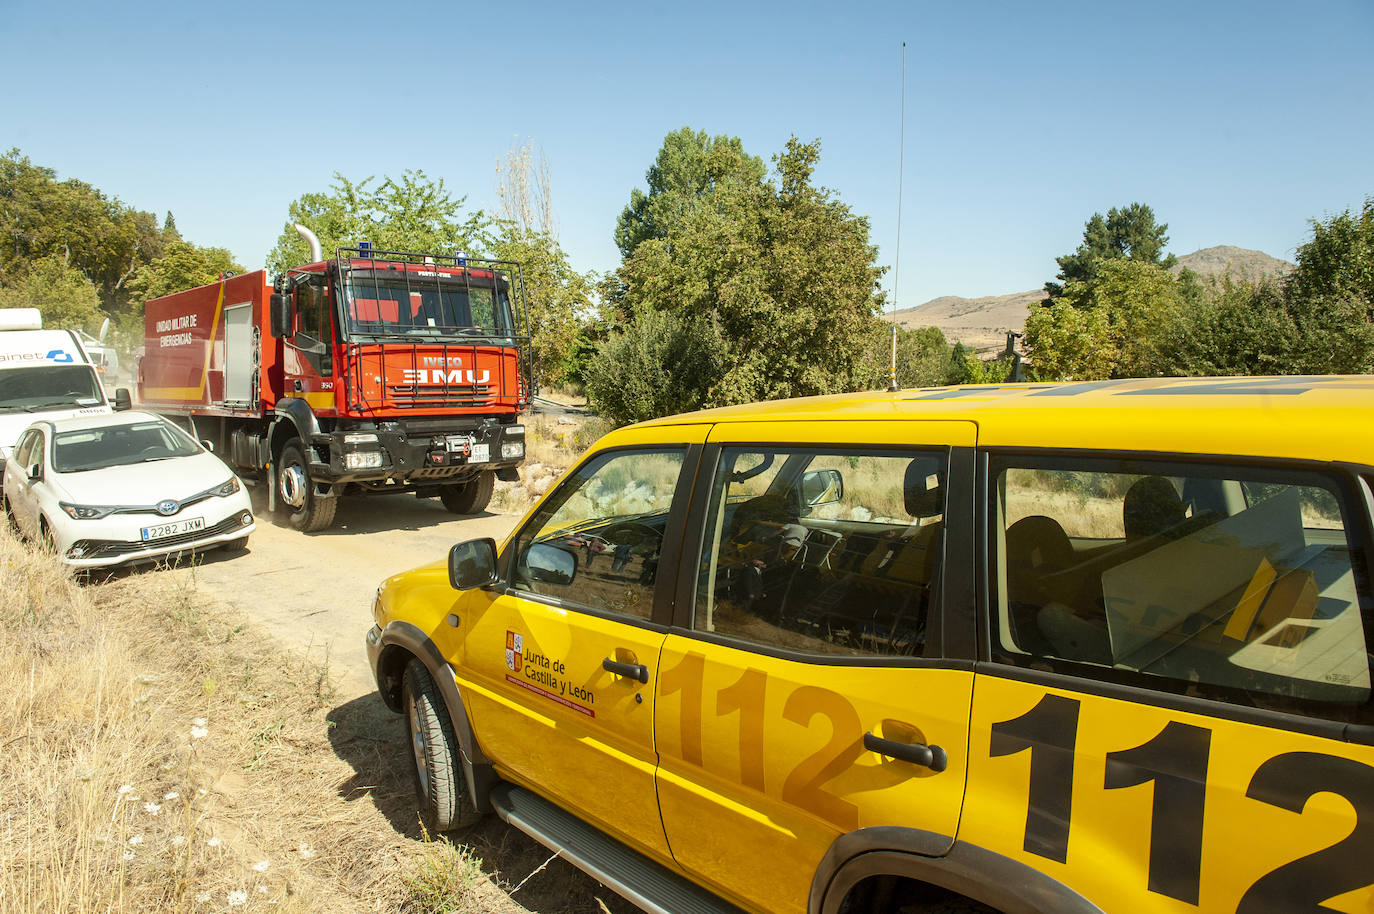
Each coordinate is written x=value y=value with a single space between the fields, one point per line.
x=762 y=766
x=1141 y=808
x=551 y=717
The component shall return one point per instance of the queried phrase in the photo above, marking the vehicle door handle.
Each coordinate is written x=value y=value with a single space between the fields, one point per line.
x=932 y=757
x=635 y=671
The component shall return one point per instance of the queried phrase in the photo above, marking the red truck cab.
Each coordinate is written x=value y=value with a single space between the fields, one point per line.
x=372 y=372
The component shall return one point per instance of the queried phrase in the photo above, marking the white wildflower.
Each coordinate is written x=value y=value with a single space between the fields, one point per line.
x=152 y=808
x=201 y=792
x=198 y=722
x=178 y=840
x=136 y=840
x=202 y=897
x=147 y=679
x=262 y=890
x=261 y=866
x=199 y=732
x=128 y=855
x=305 y=850
x=170 y=795
x=125 y=788
x=238 y=898
x=213 y=842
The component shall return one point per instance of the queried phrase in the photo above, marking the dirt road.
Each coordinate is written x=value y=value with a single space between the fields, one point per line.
x=315 y=591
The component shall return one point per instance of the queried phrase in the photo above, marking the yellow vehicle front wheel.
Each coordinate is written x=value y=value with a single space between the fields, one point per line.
x=440 y=785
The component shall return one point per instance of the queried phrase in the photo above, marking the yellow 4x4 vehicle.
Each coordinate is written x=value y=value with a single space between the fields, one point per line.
x=1052 y=648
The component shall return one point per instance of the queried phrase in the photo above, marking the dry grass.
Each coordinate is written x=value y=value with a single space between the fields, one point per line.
x=551 y=447
x=160 y=756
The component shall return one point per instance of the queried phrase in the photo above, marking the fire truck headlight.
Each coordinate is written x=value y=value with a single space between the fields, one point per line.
x=360 y=438
x=512 y=450
x=362 y=460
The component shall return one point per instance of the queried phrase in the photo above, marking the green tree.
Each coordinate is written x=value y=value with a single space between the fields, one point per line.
x=922 y=357
x=1338 y=263
x=557 y=296
x=64 y=296
x=1231 y=327
x=101 y=237
x=689 y=168
x=658 y=365
x=182 y=266
x=783 y=269
x=415 y=214
x=1113 y=327
x=1128 y=233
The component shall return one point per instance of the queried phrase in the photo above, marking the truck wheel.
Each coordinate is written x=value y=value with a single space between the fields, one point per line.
x=305 y=510
x=469 y=497
x=440 y=785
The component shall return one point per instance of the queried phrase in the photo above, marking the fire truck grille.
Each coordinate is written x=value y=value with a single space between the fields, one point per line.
x=453 y=395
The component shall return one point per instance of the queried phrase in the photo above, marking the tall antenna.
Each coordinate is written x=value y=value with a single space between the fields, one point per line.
x=897 y=258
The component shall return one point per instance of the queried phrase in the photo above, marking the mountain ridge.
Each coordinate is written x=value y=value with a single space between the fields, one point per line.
x=982 y=323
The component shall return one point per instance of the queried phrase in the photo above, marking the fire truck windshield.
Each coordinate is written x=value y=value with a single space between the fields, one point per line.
x=396 y=303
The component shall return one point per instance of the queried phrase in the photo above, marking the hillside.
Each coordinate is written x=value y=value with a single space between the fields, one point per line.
x=1239 y=262
x=982 y=323
x=979 y=323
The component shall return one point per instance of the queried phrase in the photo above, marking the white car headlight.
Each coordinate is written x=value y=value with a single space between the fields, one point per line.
x=85 y=512
x=229 y=488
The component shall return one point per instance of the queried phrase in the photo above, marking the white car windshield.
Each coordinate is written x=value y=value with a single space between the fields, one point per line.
x=48 y=387
x=119 y=445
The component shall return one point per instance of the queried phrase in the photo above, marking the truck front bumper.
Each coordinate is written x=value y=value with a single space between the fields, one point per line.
x=381 y=455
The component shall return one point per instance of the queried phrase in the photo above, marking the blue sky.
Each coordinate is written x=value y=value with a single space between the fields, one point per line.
x=1236 y=121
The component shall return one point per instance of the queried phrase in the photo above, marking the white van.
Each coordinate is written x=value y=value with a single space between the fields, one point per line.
x=44 y=372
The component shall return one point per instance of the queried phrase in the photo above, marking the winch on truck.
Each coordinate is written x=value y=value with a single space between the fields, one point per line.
x=373 y=372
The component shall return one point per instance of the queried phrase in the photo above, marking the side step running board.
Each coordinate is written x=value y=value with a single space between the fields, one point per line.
x=644 y=882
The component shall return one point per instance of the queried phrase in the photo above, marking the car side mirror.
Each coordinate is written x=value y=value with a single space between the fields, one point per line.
x=35 y=472
x=822 y=487
x=472 y=564
x=123 y=400
x=543 y=563
x=208 y=445
x=280 y=314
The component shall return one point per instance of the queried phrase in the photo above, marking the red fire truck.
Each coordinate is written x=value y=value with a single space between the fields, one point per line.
x=373 y=372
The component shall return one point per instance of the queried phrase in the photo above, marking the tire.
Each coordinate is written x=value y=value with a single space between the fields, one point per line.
x=9 y=513
x=471 y=497
x=440 y=785
x=305 y=510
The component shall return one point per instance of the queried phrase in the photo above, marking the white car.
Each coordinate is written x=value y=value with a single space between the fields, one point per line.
x=127 y=487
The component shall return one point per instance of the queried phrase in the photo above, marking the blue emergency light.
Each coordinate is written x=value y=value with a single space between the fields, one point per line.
x=460 y=259
x=365 y=248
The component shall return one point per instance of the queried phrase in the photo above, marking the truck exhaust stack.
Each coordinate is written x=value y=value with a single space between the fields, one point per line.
x=316 y=252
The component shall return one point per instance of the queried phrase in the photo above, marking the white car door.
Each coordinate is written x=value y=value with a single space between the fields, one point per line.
x=24 y=500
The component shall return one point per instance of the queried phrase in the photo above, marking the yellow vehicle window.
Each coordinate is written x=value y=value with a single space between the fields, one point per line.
x=1237 y=584
x=822 y=552
x=596 y=541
